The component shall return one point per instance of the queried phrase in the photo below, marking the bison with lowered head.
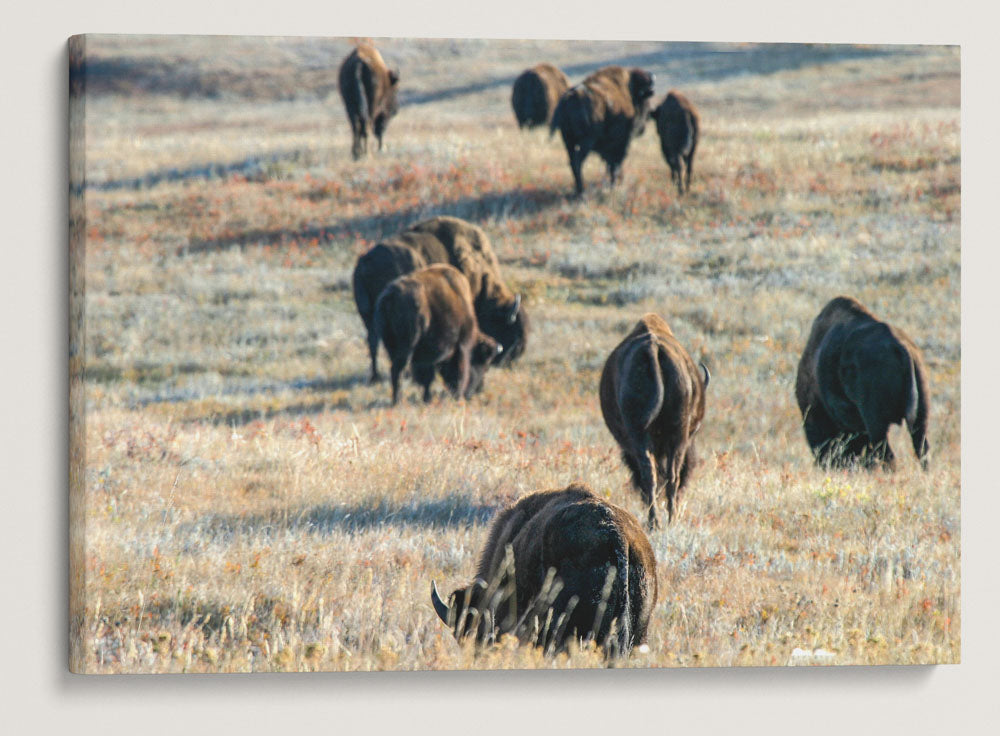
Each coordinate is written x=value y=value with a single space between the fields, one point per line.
x=368 y=88
x=677 y=124
x=464 y=246
x=426 y=319
x=536 y=94
x=857 y=376
x=559 y=565
x=603 y=114
x=653 y=401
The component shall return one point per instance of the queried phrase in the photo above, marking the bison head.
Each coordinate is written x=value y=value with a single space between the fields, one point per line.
x=485 y=352
x=640 y=87
x=508 y=325
x=472 y=611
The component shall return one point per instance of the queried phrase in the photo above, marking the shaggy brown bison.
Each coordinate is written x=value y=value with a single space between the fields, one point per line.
x=464 y=246
x=653 y=401
x=426 y=319
x=559 y=565
x=677 y=123
x=368 y=88
x=857 y=376
x=603 y=114
x=536 y=94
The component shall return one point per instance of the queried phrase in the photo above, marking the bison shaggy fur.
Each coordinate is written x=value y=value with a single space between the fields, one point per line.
x=368 y=88
x=536 y=94
x=857 y=376
x=559 y=565
x=677 y=124
x=460 y=244
x=426 y=319
x=653 y=401
x=603 y=114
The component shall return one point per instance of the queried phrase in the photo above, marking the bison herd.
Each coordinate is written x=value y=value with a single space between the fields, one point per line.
x=565 y=565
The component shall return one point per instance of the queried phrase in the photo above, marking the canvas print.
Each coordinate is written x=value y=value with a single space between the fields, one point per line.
x=414 y=354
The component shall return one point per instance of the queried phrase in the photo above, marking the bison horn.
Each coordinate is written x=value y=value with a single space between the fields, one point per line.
x=440 y=607
x=708 y=376
x=513 y=312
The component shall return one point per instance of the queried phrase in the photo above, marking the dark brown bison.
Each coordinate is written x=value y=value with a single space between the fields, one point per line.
x=536 y=94
x=368 y=88
x=559 y=565
x=653 y=401
x=603 y=114
x=426 y=319
x=677 y=123
x=464 y=246
x=857 y=376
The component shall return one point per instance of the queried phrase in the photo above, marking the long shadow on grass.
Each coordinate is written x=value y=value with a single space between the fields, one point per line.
x=316 y=385
x=514 y=203
x=242 y=417
x=448 y=512
x=683 y=63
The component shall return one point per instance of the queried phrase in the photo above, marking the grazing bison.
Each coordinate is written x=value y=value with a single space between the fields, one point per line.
x=426 y=319
x=677 y=124
x=653 y=401
x=857 y=376
x=603 y=114
x=559 y=565
x=368 y=88
x=536 y=94
x=464 y=246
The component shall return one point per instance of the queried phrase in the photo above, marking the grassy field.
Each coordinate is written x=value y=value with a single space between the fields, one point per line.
x=245 y=501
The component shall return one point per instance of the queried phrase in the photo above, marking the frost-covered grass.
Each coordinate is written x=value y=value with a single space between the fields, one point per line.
x=251 y=503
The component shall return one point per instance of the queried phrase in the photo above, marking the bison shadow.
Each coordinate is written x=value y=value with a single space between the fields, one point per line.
x=241 y=417
x=510 y=204
x=452 y=511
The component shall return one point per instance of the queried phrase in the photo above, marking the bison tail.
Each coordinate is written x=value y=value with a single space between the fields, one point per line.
x=557 y=117
x=354 y=95
x=641 y=391
x=619 y=605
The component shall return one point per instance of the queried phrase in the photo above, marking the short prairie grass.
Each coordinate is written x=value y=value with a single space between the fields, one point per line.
x=248 y=503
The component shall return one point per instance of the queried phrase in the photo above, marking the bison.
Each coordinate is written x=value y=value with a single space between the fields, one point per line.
x=677 y=123
x=653 y=401
x=464 y=246
x=603 y=114
x=857 y=376
x=426 y=319
x=368 y=88
x=559 y=565
x=536 y=94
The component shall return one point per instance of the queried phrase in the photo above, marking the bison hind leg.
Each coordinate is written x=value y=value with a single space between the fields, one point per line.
x=644 y=478
x=423 y=375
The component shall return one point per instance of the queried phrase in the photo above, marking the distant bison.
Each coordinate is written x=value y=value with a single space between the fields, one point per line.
x=536 y=94
x=368 y=88
x=603 y=114
x=426 y=319
x=464 y=246
x=677 y=123
x=653 y=401
x=857 y=376
x=577 y=568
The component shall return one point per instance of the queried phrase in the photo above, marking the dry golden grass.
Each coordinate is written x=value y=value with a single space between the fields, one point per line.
x=249 y=503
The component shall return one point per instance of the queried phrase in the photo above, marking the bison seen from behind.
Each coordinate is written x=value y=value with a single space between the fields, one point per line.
x=677 y=125
x=426 y=319
x=653 y=401
x=536 y=94
x=464 y=246
x=857 y=376
x=368 y=88
x=559 y=565
x=603 y=114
